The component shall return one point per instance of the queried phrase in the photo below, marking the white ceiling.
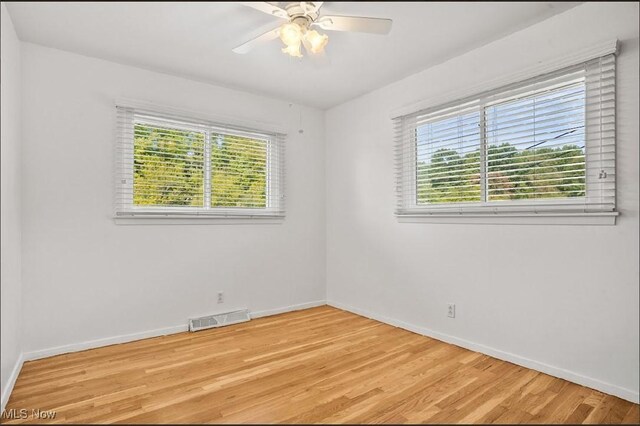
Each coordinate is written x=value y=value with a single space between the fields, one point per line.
x=194 y=40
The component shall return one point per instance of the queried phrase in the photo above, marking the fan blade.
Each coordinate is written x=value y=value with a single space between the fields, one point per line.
x=261 y=39
x=311 y=6
x=267 y=8
x=355 y=23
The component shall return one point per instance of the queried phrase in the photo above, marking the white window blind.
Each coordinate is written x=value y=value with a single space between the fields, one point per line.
x=170 y=166
x=546 y=144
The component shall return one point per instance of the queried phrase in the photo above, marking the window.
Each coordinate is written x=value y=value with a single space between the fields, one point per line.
x=177 y=167
x=545 y=145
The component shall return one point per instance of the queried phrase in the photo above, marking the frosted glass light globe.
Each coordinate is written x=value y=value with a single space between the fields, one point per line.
x=316 y=41
x=291 y=34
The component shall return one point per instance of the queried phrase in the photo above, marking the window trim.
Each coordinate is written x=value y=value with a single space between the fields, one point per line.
x=517 y=211
x=542 y=218
x=128 y=214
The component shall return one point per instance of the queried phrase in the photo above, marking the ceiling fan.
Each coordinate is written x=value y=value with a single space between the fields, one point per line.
x=302 y=19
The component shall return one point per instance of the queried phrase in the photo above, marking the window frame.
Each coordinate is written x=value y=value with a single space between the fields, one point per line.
x=409 y=209
x=129 y=113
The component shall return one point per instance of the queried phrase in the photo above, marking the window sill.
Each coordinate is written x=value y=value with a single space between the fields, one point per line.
x=607 y=218
x=198 y=220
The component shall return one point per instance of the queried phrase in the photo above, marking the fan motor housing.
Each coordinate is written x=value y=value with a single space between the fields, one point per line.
x=297 y=13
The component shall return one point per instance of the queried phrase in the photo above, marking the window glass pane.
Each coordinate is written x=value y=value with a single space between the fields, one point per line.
x=168 y=166
x=536 y=146
x=238 y=171
x=448 y=160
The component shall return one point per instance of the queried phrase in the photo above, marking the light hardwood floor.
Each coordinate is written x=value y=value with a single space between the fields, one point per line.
x=320 y=365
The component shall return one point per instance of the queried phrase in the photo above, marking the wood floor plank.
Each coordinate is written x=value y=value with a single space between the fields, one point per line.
x=320 y=365
x=633 y=416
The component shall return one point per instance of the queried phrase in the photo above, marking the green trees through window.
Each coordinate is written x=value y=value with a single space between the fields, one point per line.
x=535 y=149
x=181 y=168
x=238 y=172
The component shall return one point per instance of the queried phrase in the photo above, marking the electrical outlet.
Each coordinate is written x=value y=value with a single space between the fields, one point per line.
x=451 y=310
x=220 y=297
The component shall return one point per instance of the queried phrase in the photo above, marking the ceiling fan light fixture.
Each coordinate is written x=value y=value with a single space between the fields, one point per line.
x=301 y=17
x=316 y=41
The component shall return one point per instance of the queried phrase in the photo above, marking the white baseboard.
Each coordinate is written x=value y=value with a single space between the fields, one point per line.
x=97 y=343
x=561 y=373
x=91 y=344
x=6 y=392
x=290 y=308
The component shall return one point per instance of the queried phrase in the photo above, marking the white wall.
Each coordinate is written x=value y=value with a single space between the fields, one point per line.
x=560 y=298
x=87 y=278
x=10 y=227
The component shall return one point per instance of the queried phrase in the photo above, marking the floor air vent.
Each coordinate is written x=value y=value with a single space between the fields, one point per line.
x=218 y=320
